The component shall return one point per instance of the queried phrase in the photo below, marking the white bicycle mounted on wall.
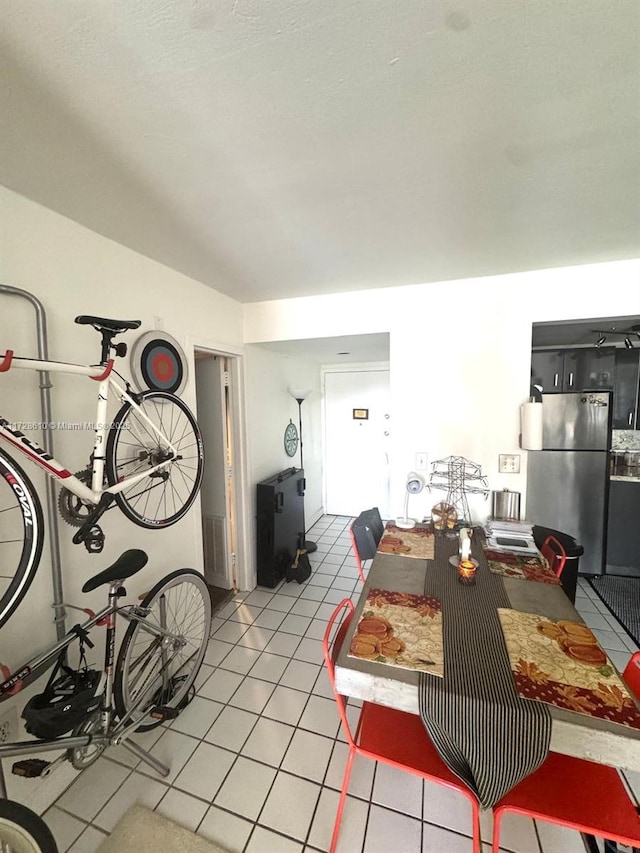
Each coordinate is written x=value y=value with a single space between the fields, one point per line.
x=148 y=461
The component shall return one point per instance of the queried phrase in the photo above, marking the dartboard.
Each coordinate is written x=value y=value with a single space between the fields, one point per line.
x=291 y=438
x=158 y=363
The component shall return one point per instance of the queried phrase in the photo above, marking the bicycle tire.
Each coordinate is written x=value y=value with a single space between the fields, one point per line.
x=132 y=446
x=23 y=831
x=139 y=665
x=21 y=535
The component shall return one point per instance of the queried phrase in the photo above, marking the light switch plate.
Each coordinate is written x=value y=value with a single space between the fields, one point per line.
x=421 y=461
x=509 y=463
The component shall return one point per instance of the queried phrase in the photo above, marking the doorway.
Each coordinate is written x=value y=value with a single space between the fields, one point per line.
x=357 y=435
x=218 y=492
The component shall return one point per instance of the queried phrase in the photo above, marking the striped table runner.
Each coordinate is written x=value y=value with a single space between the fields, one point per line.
x=486 y=734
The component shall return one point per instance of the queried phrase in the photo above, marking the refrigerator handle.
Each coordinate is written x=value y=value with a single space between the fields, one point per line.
x=571 y=379
x=555 y=380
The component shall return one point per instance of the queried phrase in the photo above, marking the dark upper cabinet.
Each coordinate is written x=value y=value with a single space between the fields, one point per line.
x=593 y=368
x=547 y=369
x=573 y=369
x=625 y=391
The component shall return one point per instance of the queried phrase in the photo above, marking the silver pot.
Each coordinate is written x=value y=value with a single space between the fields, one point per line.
x=505 y=505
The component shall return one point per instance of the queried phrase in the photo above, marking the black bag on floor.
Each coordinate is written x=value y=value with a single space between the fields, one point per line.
x=300 y=569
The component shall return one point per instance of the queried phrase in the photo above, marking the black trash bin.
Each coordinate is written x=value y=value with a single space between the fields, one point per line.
x=569 y=577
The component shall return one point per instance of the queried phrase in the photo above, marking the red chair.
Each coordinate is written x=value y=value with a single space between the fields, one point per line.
x=632 y=674
x=579 y=794
x=554 y=553
x=382 y=734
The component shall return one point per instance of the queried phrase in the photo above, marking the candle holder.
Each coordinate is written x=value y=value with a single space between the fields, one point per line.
x=467 y=572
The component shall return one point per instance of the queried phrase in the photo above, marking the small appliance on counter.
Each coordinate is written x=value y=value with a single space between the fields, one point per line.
x=505 y=505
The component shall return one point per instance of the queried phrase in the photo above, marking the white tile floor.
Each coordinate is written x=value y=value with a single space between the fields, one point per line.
x=257 y=758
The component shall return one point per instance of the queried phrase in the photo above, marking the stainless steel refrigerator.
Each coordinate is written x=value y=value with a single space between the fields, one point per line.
x=568 y=480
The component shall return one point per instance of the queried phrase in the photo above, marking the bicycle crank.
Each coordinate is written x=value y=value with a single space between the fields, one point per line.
x=72 y=508
x=83 y=756
x=90 y=532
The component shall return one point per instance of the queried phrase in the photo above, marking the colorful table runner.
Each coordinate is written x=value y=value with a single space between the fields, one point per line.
x=417 y=542
x=484 y=731
x=523 y=566
x=400 y=629
x=562 y=664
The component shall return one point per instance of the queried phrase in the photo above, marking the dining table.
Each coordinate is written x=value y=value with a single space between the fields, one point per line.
x=406 y=689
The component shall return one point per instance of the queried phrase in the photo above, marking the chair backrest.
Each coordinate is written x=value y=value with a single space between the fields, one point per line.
x=632 y=675
x=334 y=635
x=553 y=551
x=366 y=532
x=368 y=528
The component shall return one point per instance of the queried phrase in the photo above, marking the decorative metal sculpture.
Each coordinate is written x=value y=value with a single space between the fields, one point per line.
x=460 y=477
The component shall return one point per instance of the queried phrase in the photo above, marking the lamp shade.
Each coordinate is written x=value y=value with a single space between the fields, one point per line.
x=299 y=393
x=414 y=485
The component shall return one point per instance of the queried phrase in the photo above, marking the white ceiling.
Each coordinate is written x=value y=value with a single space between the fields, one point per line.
x=345 y=349
x=273 y=148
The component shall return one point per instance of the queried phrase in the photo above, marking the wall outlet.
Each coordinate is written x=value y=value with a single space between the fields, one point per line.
x=509 y=463
x=9 y=726
x=421 y=461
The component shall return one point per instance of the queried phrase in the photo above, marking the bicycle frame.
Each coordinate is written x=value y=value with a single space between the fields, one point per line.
x=29 y=448
x=109 y=734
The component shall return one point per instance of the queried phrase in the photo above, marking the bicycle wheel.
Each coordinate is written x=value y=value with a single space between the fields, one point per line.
x=160 y=656
x=23 y=831
x=132 y=447
x=21 y=535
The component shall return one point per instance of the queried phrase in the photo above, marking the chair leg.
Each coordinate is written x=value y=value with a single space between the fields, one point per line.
x=475 y=817
x=497 y=814
x=343 y=797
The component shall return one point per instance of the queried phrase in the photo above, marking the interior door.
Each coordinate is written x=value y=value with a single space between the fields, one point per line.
x=211 y=389
x=357 y=435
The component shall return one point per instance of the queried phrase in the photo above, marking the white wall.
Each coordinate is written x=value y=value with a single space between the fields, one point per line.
x=268 y=377
x=459 y=355
x=75 y=271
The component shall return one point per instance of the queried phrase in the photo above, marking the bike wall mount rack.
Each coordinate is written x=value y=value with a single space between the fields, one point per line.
x=47 y=443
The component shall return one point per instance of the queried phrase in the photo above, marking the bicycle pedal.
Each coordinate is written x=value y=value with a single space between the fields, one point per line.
x=162 y=712
x=30 y=768
x=94 y=543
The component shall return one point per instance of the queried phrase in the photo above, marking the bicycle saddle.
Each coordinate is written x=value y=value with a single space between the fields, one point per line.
x=104 y=323
x=125 y=566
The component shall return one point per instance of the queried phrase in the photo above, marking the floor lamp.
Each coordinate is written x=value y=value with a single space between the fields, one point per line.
x=300 y=395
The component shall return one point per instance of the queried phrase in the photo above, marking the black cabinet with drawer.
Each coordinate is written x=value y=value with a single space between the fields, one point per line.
x=279 y=524
x=623 y=534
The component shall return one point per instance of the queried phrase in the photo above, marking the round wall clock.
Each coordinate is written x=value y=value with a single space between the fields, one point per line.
x=291 y=438
x=158 y=363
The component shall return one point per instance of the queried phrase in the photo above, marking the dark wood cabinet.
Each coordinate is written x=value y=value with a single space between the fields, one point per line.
x=573 y=369
x=623 y=534
x=547 y=368
x=626 y=390
x=279 y=524
x=593 y=368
